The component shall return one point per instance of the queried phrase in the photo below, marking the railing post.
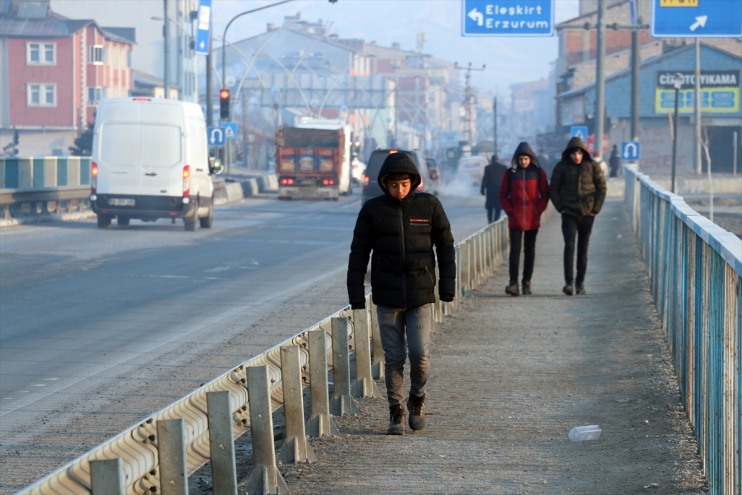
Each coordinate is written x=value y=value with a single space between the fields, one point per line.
x=342 y=401
x=320 y=423
x=265 y=478
x=107 y=477
x=296 y=448
x=378 y=349
x=171 y=454
x=364 y=385
x=221 y=443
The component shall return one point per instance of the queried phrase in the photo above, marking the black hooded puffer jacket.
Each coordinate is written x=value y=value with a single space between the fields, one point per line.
x=577 y=190
x=401 y=234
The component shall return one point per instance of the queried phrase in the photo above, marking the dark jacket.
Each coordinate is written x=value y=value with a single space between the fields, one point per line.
x=577 y=190
x=401 y=235
x=491 y=182
x=524 y=193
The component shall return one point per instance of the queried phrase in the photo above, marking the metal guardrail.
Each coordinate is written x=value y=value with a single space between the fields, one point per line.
x=695 y=271
x=134 y=460
x=44 y=201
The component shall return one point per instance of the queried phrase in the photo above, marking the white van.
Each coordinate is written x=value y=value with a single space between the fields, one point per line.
x=150 y=160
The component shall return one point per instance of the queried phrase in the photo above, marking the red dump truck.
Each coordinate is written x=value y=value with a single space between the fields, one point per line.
x=313 y=159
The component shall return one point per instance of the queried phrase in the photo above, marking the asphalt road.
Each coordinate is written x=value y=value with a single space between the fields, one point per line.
x=101 y=328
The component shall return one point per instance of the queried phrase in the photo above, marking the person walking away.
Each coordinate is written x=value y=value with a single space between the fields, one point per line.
x=614 y=162
x=490 y=188
x=577 y=190
x=524 y=195
x=401 y=228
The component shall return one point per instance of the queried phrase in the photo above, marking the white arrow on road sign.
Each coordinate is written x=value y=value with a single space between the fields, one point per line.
x=579 y=131
x=216 y=136
x=630 y=151
x=700 y=22
x=476 y=16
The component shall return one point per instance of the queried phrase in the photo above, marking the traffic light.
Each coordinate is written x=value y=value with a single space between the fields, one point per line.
x=224 y=104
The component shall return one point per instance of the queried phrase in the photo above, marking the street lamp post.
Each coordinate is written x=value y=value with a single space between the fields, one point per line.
x=677 y=83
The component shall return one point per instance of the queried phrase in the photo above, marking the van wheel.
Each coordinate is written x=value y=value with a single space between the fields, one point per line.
x=208 y=220
x=122 y=221
x=190 y=224
x=104 y=221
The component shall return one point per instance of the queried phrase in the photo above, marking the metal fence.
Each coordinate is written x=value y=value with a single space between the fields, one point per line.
x=695 y=273
x=157 y=454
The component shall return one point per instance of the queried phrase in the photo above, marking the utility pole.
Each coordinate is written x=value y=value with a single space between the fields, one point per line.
x=468 y=102
x=600 y=81
x=166 y=48
x=494 y=114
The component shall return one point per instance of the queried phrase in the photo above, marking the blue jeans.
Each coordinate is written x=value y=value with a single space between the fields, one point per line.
x=404 y=330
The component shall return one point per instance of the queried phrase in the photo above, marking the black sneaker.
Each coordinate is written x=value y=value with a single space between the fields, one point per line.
x=417 y=412
x=581 y=290
x=396 y=420
x=512 y=289
x=526 y=288
x=568 y=289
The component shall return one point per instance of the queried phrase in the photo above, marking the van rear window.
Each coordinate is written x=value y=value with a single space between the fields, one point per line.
x=160 y=145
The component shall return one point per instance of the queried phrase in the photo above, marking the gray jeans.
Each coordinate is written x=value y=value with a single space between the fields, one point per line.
x=402 y=331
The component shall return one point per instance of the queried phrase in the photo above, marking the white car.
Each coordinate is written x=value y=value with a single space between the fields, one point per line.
x=357 y=169
x=471 y=169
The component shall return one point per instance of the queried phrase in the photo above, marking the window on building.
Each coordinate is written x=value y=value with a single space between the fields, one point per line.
x=41 y=95
x=96 y=55
x=95 y=95
x=41 y=53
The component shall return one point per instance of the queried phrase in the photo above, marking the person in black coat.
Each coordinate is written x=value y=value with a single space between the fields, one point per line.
x=402 y=228
x=490 y=187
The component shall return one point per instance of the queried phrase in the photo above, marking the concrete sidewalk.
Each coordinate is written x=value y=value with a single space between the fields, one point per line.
x=511 y=375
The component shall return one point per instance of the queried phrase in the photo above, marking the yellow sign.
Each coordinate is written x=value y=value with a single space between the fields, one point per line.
x=713 y=100
x=679 y=3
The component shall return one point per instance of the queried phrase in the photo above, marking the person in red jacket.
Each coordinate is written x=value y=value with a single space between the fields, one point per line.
x=524 y=194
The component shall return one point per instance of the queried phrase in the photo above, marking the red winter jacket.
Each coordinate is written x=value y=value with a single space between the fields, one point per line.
x=524 y=192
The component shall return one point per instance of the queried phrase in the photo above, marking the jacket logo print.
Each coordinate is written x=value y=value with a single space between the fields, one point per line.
x=419 y=221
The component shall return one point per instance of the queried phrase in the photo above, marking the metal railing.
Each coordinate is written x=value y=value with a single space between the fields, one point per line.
x=695 y=274
x=178 y=440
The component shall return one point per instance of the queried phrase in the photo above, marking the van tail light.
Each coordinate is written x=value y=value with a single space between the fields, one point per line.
x=420 y=186
x=186 y=181
x=365 y=181
x=93 y=178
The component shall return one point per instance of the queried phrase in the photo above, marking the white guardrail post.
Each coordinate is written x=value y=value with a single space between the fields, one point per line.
x=342 y=401
x=265 y=478
x=364 y=385
x=296 y=448
x=221 y=443
x=107 y=477
x=171 y=454
x=320 y=423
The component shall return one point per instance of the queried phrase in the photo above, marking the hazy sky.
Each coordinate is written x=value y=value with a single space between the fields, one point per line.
x=507 y=59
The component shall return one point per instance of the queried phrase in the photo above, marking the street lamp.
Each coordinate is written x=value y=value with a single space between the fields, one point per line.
x=677 y=84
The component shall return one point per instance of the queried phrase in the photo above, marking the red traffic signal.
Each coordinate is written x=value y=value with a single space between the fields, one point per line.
x=224 y=97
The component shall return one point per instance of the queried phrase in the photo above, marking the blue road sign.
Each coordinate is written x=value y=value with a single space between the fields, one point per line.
x=696 y=18
x=507 y=18
x=630 y=151
x=230 y=130
x=215 y=136
x=203 y=35
x=579 y=131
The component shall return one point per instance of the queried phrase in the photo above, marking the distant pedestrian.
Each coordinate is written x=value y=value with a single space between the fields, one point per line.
x=577 y=191
x=402 y=227
x=524 y=195
x=614 y=162
x=491 y=188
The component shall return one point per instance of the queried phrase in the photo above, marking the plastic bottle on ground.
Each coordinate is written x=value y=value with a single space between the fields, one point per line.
x=582 y=433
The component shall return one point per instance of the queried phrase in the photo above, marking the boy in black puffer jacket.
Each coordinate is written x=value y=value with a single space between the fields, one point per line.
x=577 y=190
x=402 y=227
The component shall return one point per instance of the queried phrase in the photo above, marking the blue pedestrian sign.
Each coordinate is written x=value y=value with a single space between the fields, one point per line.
x=507 y=18
x=215 y=136
x=203 y=35
x=630 y=151
x=697 y=18
x=579 y=131
x=230 y=130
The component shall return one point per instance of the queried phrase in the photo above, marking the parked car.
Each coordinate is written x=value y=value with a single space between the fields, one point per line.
x=471 y=169
x=371 y=187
